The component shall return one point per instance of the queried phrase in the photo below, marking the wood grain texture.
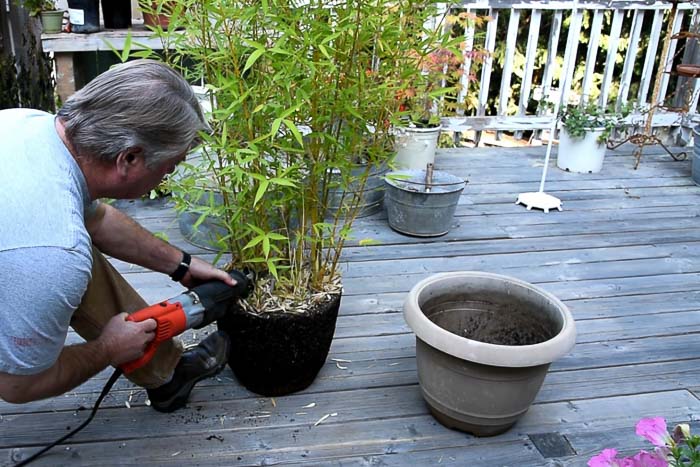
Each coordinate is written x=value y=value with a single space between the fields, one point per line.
x=624 y=256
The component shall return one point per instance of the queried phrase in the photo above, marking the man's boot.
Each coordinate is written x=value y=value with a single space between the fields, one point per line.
x=206 y=359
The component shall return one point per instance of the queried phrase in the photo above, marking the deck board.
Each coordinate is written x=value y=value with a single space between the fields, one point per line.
x=624 y=255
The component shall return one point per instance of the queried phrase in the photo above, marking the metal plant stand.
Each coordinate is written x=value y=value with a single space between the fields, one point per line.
x=647 y=138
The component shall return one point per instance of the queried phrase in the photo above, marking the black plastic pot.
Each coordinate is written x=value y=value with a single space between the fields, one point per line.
x=274 y=354
x=116 y=14
x=84 y=15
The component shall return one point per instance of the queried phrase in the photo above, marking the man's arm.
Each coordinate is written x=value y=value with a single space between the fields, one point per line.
x=117 y=235
x=121 y=341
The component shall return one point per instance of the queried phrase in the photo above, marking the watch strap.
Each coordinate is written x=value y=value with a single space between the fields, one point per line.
x=182 y=268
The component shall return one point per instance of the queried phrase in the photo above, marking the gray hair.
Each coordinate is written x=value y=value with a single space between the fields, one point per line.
x=142 y=103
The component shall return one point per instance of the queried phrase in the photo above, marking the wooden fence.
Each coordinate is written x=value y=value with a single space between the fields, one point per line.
x=613 y=50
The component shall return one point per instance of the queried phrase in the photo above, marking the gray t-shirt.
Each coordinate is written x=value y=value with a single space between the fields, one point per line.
x=45 y=249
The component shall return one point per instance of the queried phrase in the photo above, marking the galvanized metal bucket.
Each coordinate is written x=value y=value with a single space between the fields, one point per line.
x=695 y=163
x=367 y=198
x=421 y=209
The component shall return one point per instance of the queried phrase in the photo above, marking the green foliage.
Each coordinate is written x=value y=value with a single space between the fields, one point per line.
x=298 y=91
x=578 y=120
x=433 y=91
x=34 y=7
x=26 y=80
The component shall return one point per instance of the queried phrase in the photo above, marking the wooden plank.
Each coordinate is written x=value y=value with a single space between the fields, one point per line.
x=511 y=40
x=530 y=55
x=572 y=42
x=630 y=59
x=613 y=40
x=325 y=443
x=565 y=4
x=592 y=53
x=551 y=63
x=489 y=46
x=624 y=440
x=342 y=436
x=677 y=22
x=65 y=42
x=464 y=79
x=648 y=73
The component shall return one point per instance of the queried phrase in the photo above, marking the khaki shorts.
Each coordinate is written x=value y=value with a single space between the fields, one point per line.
x=109 y=294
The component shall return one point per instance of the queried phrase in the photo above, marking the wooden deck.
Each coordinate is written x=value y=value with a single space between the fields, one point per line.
x=623 y=255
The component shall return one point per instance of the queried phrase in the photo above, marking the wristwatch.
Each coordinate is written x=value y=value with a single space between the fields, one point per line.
x=182 y=268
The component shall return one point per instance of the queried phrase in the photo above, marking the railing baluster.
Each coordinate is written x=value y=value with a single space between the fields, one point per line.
x=648 y=70
x=490 y=46
x=592 y=53
x=511 y=40
x=613 y=41
x=552 y=48
x=530 y=55
x=671 y=52
x=466 y=66
x=630 y=59
x=570 y=54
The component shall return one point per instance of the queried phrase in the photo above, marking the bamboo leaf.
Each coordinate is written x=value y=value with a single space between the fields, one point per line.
x=261 y=191
x=282 y=181
x=276 y=126
x=295 y=131
x=257 y=53
x=254 y=241
x=127 y=46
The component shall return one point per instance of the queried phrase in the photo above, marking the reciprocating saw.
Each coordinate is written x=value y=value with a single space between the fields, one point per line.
x=193 y=309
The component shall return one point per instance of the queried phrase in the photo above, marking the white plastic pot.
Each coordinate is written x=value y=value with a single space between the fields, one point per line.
x=416 y=147
x=581 y=155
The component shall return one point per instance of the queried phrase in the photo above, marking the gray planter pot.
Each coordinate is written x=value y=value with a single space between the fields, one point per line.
x=368 y=197
x=413 y=208
x=484 y=343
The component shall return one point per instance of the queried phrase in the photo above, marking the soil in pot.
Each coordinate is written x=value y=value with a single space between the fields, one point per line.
x=491 y=322
x=274 y=354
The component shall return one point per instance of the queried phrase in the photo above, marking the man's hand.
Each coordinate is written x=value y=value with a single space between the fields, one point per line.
x=121 y=341
x=201 y=271
x=124 y=340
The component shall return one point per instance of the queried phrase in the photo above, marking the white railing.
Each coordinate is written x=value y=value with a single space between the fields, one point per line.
x=530 y=68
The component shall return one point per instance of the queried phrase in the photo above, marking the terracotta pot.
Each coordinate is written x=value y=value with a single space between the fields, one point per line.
x=484 y=343
x=163 y=18
x=689 y=71
x=276 y=353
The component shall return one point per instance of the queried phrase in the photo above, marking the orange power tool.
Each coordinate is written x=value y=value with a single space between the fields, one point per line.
x=193 y=309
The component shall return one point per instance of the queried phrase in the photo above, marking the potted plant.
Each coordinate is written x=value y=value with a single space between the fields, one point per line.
x=158 y=14
x=297 y=92
x=51 y=17
x=432 y=92
x=484 y=343
x=585 y=132
x=419 y=126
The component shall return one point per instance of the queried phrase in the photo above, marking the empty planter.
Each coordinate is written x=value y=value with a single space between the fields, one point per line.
x=484 y=343
x=417 y=206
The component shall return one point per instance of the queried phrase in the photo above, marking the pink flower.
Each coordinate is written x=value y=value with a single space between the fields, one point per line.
x=654 y=429
x=647 y=459
x=607 y=458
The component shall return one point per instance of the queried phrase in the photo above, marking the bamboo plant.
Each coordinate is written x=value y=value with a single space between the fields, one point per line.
x=298 y=90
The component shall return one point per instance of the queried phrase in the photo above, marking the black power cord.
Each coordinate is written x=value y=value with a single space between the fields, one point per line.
x=105 y=390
